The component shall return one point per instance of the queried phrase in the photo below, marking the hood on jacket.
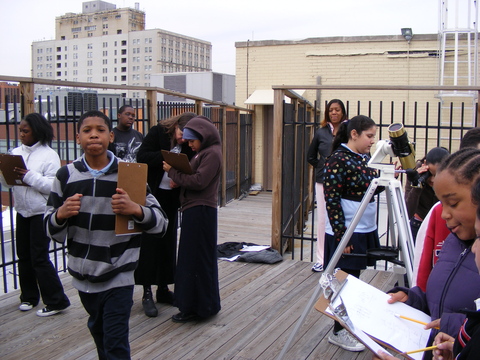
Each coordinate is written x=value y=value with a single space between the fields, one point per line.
x=209 y=132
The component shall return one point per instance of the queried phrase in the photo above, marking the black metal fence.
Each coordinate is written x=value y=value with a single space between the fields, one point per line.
x=63 y=113
x=426 y=128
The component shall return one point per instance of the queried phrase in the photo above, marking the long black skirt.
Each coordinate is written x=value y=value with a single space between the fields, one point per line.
x=361 y=243
x=196 y=279
x=158 y=256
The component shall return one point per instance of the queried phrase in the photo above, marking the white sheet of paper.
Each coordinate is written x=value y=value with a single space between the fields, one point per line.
x=254 y=247
x=368 y=310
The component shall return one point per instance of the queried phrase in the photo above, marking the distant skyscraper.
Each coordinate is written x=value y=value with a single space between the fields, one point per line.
x=108 y=45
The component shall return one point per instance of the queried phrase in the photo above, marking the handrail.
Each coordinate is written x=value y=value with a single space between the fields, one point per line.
x=41 y=81
x=377 y=87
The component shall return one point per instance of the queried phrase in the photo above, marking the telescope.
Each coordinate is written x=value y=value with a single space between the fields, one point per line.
x=401 y=146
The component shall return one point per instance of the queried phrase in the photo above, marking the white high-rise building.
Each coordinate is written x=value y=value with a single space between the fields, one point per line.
x=108 y=45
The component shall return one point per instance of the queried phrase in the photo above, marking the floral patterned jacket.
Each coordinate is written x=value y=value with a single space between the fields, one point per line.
x=347 y=176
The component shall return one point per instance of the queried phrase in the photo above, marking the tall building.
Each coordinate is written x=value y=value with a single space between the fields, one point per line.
x=108 y=45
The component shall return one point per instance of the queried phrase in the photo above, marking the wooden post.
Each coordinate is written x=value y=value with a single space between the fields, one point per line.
x=238 y=176
x=224 y=155
x=277 y=170
x=27 y=90
x=198 y=107
x=152 y=110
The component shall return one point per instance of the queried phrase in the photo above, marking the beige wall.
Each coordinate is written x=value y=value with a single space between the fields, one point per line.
x=365 y=60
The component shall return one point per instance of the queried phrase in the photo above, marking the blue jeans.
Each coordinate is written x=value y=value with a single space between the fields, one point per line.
x=108 y=322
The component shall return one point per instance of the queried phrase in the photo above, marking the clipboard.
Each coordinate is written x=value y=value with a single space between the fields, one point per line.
x=8 y=163
x=323 y=304
x=178 y=161
x=132 y=177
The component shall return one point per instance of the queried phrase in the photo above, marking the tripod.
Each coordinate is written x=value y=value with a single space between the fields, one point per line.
x=397 y=215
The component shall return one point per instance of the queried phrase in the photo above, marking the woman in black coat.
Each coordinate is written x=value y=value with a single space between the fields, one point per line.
x=157 y=261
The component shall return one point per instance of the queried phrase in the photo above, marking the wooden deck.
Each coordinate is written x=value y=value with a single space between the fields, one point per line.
x=260 y=306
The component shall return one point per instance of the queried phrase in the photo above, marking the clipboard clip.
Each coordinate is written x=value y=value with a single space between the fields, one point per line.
x=331 y=286
x=331 y=290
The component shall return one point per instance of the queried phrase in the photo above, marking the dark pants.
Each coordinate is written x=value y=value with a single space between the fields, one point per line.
x=158 y=256
x=36 y=271
x=108 y=322
x=415 y=225
x=196 y=280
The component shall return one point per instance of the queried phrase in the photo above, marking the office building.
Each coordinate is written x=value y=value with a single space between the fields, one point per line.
x=108 y=45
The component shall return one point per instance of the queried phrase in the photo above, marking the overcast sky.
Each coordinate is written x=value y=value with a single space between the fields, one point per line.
x=222 y=22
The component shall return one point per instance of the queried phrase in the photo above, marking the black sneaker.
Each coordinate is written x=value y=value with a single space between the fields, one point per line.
x=25 y=306
x=46 y=311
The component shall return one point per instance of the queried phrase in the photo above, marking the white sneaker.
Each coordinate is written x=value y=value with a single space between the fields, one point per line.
x=346 y=341
x=317 y=267
x=25 y=306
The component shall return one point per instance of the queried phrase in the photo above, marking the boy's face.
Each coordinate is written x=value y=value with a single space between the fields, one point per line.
x=126 y=119
x=94 y=136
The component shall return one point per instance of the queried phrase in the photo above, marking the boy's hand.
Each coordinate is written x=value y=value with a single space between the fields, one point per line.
x=70 y=207
x=123 y=205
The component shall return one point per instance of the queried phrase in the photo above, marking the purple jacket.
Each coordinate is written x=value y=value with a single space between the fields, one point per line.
x=453 y=284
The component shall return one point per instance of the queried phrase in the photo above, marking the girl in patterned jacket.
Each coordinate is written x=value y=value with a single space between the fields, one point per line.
x=346 y=179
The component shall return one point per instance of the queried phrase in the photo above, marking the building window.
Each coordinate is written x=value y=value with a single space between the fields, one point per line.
x=105 y=79
x=90 y=28
x=59 y=65
x=90 y=34
x=124 y=51
x=124 y=42
x=105 y=70
x=105 y=53
x=119 y=32
x=59 y=48
x=105 y=44
x=89 y=62
x=105 y=26
x=59 y=57
x=124 y=69
x=89 y=71
x=76 y=29
x=89 y=54
x=124 y=77
x=75 y=64
x=105 y=61
x=59 y=73
x=89 y=79
x=124 y=60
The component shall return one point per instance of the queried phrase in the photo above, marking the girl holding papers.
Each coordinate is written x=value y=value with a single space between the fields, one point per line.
x=454 y=282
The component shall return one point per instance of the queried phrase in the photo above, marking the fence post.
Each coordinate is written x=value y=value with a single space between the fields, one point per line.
x=27 y=90
x=277 y=170
x=224 y=155
x=198 y=107
x=152 y=107
x=238 y=175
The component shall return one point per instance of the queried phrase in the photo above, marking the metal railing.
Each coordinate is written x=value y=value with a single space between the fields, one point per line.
x=234 y=124
x=294 y=125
